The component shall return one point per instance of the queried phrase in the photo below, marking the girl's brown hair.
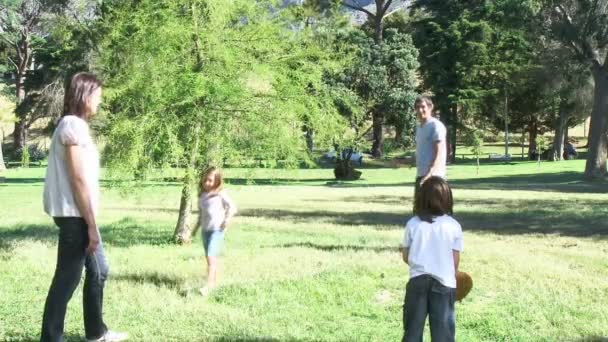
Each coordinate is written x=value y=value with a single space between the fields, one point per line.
x=433 y=199
x=219 y=181
x=77 y=100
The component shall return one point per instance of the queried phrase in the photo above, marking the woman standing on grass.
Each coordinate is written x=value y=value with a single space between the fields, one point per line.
x=71 y=197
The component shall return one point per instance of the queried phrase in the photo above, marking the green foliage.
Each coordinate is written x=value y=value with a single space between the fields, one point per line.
x=475 y=140
x=541 y=145
x=383 y=77
x=471 y=52
x=231 y=68
x=25 y=158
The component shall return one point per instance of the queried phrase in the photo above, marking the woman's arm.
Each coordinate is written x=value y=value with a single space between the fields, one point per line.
x=81 y=193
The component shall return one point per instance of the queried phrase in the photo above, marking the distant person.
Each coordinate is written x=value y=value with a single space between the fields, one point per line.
x=215 y=211
x=71 y=197
x=430 y=143
x=431 y=247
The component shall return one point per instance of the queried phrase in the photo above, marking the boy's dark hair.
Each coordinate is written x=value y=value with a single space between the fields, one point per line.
x=433 y=199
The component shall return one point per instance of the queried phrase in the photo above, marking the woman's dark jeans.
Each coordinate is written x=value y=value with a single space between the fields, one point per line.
x=425 y=295
x=71 y=258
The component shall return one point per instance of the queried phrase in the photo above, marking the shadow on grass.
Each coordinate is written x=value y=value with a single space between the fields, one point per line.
x=577 y=218
x=362 y=218
x=36 y=180
x=36 y=338
x=241 y=338
x=154 y=278
x=570 y=181
x=331 y=248
x=591 y=339
x=275 y=181
x=123 y=233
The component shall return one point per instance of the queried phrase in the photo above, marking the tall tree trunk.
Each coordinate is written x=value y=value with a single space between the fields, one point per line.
x=399 y=127
x=378 y=133
x=2 y=165
x=20 y=134
x=558 y=141
x=310 y=136
x=183 y=229
x=23 y=62
x=595 y=167
x=533 y=133
x=450 y=121
x=381 y=8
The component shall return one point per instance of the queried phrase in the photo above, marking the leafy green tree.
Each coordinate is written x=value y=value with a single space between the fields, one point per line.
x=469 y=52
x=6 y=117
x=582 y=26
x=475 y=140
x=23 y=30
x=376 y=64
x=190 y=83
x=383 y=77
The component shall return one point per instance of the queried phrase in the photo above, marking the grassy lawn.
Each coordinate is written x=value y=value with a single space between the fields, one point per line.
x=311 y=259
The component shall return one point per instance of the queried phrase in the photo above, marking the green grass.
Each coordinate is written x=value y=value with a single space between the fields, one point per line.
x=311 y=259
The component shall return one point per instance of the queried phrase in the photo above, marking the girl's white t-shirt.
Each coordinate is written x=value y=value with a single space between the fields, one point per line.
x=213 y=209
x=430 y=247
x=58 y=197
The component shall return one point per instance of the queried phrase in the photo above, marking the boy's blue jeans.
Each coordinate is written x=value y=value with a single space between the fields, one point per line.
x=426 y=296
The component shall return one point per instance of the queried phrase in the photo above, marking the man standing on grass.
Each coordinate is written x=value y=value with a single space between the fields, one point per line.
x=430 y=143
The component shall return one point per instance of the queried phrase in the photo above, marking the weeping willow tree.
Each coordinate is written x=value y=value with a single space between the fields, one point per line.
x=189 y=83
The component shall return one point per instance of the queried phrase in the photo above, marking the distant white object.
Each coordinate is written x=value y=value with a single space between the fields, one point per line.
x=499 y=157
x=354 y=157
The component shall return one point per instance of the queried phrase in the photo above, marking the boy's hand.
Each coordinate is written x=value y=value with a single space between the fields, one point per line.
x=224 y=226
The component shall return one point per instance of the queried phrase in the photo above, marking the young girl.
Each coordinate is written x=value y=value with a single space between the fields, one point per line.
x=431 y=247
x=215 y=210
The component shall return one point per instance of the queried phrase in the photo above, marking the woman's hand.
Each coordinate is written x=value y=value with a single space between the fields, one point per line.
x=93 y=239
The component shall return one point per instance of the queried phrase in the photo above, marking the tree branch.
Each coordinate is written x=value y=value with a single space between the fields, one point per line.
x=388 y=4
x=359 y=8
x=581 y=47
x=13 y=62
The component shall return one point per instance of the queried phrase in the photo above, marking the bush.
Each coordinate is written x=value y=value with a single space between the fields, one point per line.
x=33 y=154
x=25 y=158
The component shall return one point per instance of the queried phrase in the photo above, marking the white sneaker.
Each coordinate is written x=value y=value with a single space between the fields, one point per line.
x=204 y=291
x=111 y=336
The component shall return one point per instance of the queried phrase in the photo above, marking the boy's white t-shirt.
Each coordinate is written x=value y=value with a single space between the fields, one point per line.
x=430 y=247
x=58 y=197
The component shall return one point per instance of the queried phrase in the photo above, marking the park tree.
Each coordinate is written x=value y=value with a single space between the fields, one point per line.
x=383 y=77
x=469 y=52
x=570 y=87
x=376 y=18
x=582 y=26
x=21 y=32
x=192 y=83
x=320 y=24
x=44 y=42
x=6 y=117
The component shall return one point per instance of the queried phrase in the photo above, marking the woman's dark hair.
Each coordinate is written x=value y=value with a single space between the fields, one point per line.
x=77 y=100
x=433 y=199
